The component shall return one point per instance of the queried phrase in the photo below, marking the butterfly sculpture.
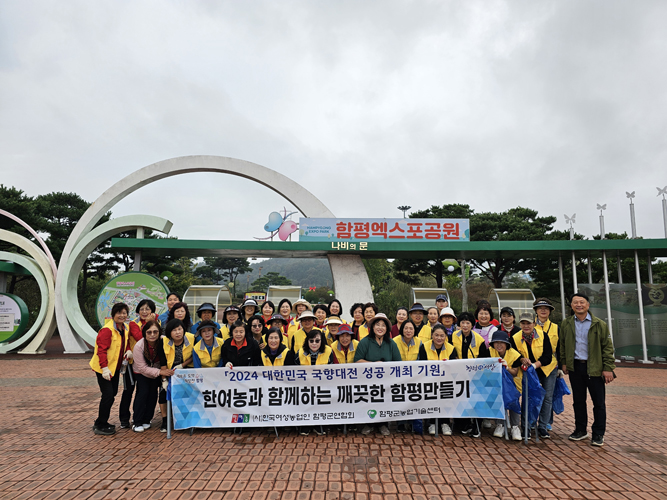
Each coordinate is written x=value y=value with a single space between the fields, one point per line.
x=280 y=225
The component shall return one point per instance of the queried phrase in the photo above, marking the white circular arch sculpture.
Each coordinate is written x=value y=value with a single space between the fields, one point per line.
x=349 y=275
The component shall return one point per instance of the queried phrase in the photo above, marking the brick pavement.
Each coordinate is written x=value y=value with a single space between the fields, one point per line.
x=48 y=451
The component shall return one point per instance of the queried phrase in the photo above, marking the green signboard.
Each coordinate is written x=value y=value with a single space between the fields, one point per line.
x=13 y=317
x=131 y=288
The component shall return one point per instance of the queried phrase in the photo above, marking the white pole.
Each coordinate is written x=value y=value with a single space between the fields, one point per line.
x=641 y=311
x=574 y=263
x=664 y=214
x=590 y=269
x=650 y=267
x=137 y=253
x=606 y=294
x=619 y=267
x=562 y=285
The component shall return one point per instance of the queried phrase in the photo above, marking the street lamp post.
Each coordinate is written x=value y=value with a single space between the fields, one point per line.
x=606 y=273
x=404 y=208
x=571 y=221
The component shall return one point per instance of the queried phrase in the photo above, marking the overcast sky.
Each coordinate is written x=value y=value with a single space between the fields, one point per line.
x=554 y=106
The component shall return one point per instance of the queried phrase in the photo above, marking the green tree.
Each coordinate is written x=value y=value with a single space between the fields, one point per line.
x=221 y=269
x=269 y=279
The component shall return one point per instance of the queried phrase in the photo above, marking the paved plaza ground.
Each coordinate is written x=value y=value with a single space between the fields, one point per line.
x=48 y=451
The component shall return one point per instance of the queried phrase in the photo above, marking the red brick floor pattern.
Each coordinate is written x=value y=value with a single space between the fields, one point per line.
x=48 y=452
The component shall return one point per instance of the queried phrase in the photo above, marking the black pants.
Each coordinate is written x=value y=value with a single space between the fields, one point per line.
x=109 y=389
x=580 y=382
x=145 y=399
x=126 y=396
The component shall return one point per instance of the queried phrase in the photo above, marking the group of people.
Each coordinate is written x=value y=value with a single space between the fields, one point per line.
x=148 y=350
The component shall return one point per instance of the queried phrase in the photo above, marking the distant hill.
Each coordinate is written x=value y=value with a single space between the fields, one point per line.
x=303 y=272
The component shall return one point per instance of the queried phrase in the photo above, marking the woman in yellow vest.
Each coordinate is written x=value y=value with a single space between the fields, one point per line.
x=314 y=351
x=276 y=352
x=175 y=352
x=543 y=307
x=299 y=307
x=111 y=349
x=207 y=353
x=285 y=311
x=278 y=322
x=344 y=347
x=321 y=312
x=438 y=349
x=336 y=309
x=331 y=326
x=416 y=314
x=535 y=349
x=229 y=317
x=468 y=344
x=358 y=324
x=501 y=348
x=298 y=336
x=408 y=345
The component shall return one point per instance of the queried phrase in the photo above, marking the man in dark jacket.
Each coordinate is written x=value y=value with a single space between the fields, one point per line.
x=587 y=355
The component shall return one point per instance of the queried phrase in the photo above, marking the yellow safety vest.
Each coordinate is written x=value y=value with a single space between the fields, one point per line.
x=209 y=360
x=322 y=358
x=432 y=353
x=550 y=329
x=170 y=349
x=537 y=347
x=340 y=355
x=425 y=333
x=408 y=352
x=457 y=341
x=279 y=361
x=511 y=355
x=113 y=353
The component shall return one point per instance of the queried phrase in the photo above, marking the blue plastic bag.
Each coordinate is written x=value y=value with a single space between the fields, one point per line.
x=511 y=395
x=535 y=392
x=418 y=426
x=561 y=389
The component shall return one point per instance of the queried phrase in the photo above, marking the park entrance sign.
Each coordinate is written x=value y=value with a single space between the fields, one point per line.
x=131 y=288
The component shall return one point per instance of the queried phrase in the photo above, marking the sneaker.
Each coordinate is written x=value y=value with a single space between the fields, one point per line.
x=548 y=427
x=500 y=431
x=578 y=435
x=597 y=440
x=487 y=423
x=366 y=430
x=304 y=431
x=163 y=426
x=138 y=428
x=384 y=430
x=543 y=433
x=104 y=431
x=319 y=430
x=516 y=433
x=475 y=430
x=431 y=429
x=125 y=424
x=146 y=426
x=446 y=430
x=467 y=430
x=400 y=428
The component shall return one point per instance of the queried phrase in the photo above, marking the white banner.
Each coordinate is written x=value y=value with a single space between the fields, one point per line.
x=337 y=394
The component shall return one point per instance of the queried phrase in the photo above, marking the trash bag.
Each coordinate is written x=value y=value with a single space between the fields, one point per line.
x=418 y=426
x=561 y=389
x=511 y=395
x=534 y=392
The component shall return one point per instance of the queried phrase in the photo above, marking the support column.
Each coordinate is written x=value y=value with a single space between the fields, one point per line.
x=641 y=311
x=464 y=289
x=650 y=267
x=620 y=269
x=575 y=286
x=590 y=269
x=137 y=253
x=606 y=294
x=3 y=282
x=562 y=284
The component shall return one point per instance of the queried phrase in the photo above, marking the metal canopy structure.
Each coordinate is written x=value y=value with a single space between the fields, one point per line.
x=218 y=295
x=478 y=250
x=519 y=299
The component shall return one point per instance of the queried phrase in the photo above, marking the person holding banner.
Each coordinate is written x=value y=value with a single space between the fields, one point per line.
x=147 y=372
x=172 y=299
x=469 y=345
x=501 y=348
x=229 y=317
x=276 y=352
x=535 y=349
x=377 y=347
x=401 y=317
x=408 y=345
x=345 y=347
x=359 y=326
x=314 y=351
x=306 y=325
x=111 y=349
x=175 y=352
x=543 y=307
x=207 y=353
x=241 y=349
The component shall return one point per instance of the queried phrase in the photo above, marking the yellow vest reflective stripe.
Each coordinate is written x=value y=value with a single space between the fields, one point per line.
x=511 y=355
x=340 y=355
x=537 y=347
x=432 y=354
x=408 y=352
x=209 y=360
x=170 y=350
x=322 y=358
x=457 y=342
x=113 y=353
